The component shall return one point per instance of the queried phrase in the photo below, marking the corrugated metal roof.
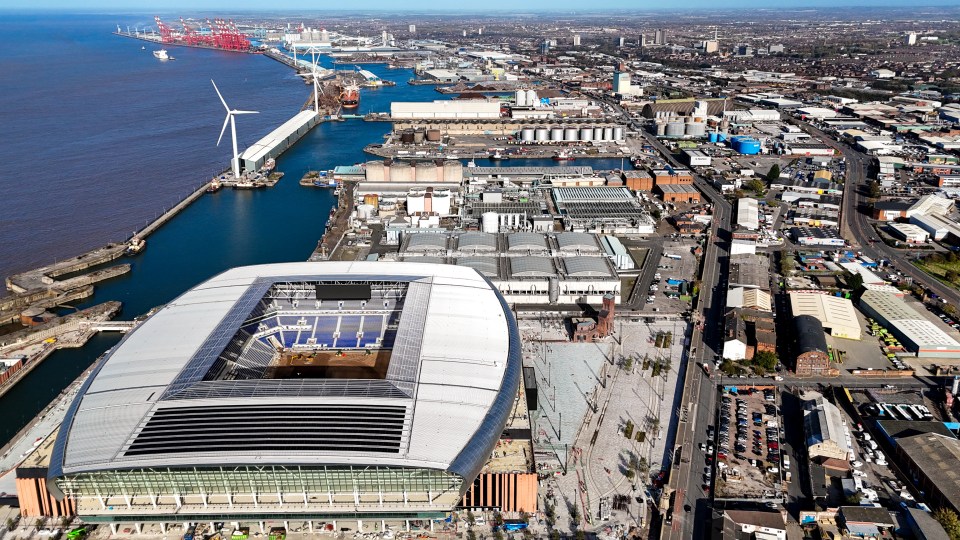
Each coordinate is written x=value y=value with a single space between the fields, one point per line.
x=477 y=241
x=523 y=241
x=532 y=267
x=586 y=266
x=573 y=241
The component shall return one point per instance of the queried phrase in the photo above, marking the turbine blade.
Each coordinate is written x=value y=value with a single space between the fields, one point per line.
x=223 y=129
x=220 y=96
x=244 y=112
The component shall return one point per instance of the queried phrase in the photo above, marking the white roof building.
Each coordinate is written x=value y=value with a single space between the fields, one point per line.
x=836 y=314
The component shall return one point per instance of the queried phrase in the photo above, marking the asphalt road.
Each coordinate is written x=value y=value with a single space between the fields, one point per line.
x=698 y=401
x=855 y=224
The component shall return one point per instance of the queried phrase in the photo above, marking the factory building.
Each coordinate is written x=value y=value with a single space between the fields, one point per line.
x=836 y=315
x=401 y=176
x=672 y=176
x=812 y=353
x=526 y=267
x=314 y=436
x=823 y=429
x=817 y=236
x=917 y=333
x=938 y=227
x=277 y=141
x=638 y=180
x=748 y=214
x=678 y=193
x=683 y=107
x=914 y=234
x=602 y=210
x=445 y=109
x=930 y=459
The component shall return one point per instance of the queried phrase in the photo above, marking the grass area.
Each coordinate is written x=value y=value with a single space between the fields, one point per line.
x=946 y=271
x=639 y=255
x=627 y=283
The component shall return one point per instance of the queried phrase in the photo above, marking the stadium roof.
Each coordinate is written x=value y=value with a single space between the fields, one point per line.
x=452 y=379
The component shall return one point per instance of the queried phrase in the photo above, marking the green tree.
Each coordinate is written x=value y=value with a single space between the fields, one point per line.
x=952 y=275
x=874 y=189
x=756 y=185
x=554 y=535
x=471 y=535
x=773 y=173
x=766 y=359
x=855 y=282
x=471 y=519
x=949 y=521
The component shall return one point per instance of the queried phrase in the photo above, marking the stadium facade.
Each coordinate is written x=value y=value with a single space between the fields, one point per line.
x=306 y=392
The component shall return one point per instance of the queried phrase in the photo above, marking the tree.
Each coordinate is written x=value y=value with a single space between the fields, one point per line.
x=756 y=185
x=874 y=189
x=855 y=282
x=471 y=535
x=471 y=519
x=786 y=263
x=554 y=535
x=952 y=275
x=766 y=359
x=949 y=521
x=773 y=173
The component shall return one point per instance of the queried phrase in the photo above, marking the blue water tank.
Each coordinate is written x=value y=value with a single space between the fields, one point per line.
x=745 y=145
x=721 y=137
x=713 y=137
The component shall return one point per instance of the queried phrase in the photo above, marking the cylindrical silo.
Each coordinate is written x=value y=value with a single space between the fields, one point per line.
x=556 y=134
x=543 y=134
x=433 y=135
x=406 y=137
x=618 y=133
x=371 y=198
x=696 y=129
x=527 y=134
x=452 y=171
x=366 y=211
x=675 y=129
x=418 y=136
x=661 y=129
x=491 y=222
x=401 y=171
x=608 y=133
x=426 y=172
x=598 y=133
x=375 y=171
x=586 y=134
x=532 y=98
x=570 y=134
x=521 y=98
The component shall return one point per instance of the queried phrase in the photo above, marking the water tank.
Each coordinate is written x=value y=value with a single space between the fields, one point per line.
x=406 y=137
x=433 y=135
x=452 y=171
x=375 y=171
x=543 y=134
x=556 y=134
x=618 y=133
x=713 y=137
x=418 y=136
x=570 y=134
x=388 y=208
x=371 y=198
x=675 y=129
x=608 y=133
x=426 y=172
x=696 y=129
x=401 y=171
x=598 y=133
x=527 y=133
x=521 y=98
x=721 y=137
x=661 y=129
x=745 y=145
x=532 y=98
x=586 y=134
x=366 y=211
x=491 y=222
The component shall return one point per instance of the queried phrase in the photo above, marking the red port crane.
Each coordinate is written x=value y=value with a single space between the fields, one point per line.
x=166 y=36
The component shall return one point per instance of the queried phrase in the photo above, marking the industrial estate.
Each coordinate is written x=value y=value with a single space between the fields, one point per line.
x=629 y=277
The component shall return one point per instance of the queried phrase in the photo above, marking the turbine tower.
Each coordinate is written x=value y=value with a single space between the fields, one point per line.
x=316 y=83
x=235 y=158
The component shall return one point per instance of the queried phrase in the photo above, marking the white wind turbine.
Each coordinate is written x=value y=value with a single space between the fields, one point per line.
x=235 y=159
x=316 y=82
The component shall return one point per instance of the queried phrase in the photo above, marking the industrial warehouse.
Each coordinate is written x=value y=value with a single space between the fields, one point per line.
x=312 y=392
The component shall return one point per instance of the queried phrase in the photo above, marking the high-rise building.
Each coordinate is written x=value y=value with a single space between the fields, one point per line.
x=623 y=86
x=576 y=40
x=413 y=28
x=622 y=41
x=660 y=38
x=711 y=46
x=642 y=42
x=912 y=38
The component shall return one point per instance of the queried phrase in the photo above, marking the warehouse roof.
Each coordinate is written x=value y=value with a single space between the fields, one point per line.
x=532 y=267
x=577 y=241
x=936 y=456
x=809 y=334
x=832 y=312
x=426 y=242
x=586 y=266
x=526 y=241
x=485 y=265
x=894 y=311
x=477 y=241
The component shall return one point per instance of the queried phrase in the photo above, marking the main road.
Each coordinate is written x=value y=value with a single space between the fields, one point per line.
x=691 y=512
x=855 y=225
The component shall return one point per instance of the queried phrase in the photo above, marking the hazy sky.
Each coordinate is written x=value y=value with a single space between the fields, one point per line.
x=487 y=5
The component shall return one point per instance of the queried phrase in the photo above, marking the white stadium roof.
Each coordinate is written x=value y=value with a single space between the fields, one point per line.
x=453 y=373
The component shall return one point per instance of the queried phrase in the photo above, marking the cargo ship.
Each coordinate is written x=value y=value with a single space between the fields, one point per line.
x=350 y=97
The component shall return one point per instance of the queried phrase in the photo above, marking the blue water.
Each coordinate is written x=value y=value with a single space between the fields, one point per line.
x=107 y=137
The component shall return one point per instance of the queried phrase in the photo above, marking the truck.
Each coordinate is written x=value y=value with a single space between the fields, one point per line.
x=706 y=368
x=672 y=256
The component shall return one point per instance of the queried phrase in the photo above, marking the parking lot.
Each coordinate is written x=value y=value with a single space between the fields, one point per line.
x=677 y=264
x=747 y=461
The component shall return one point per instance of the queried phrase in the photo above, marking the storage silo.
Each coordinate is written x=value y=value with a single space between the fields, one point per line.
x=570 y=134
x=521 y=98
x=401 y=171
x=745 y=145
x=598 y=133
x=416 y=201
x=406 y=136
x=532 y=100
x=491 y=222
x=556 y=134
x=527 y=134
x=696 y=129
x=371 y=198
x=618 y=133
x=661 y=129
x=433 y=135
x=388 y=208
x=586 y=134
x=375 y=171
x=608 y=133
x=452 y=171
x=675 y=129
x=543 y=134
x=366 y=211
x=426 y=172
x=418 y=136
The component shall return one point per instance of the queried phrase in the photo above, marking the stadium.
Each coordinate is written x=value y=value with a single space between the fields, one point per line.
x=303 y=391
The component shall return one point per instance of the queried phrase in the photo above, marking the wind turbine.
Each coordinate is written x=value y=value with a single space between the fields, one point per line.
x=235 y=158
x=316 y=83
